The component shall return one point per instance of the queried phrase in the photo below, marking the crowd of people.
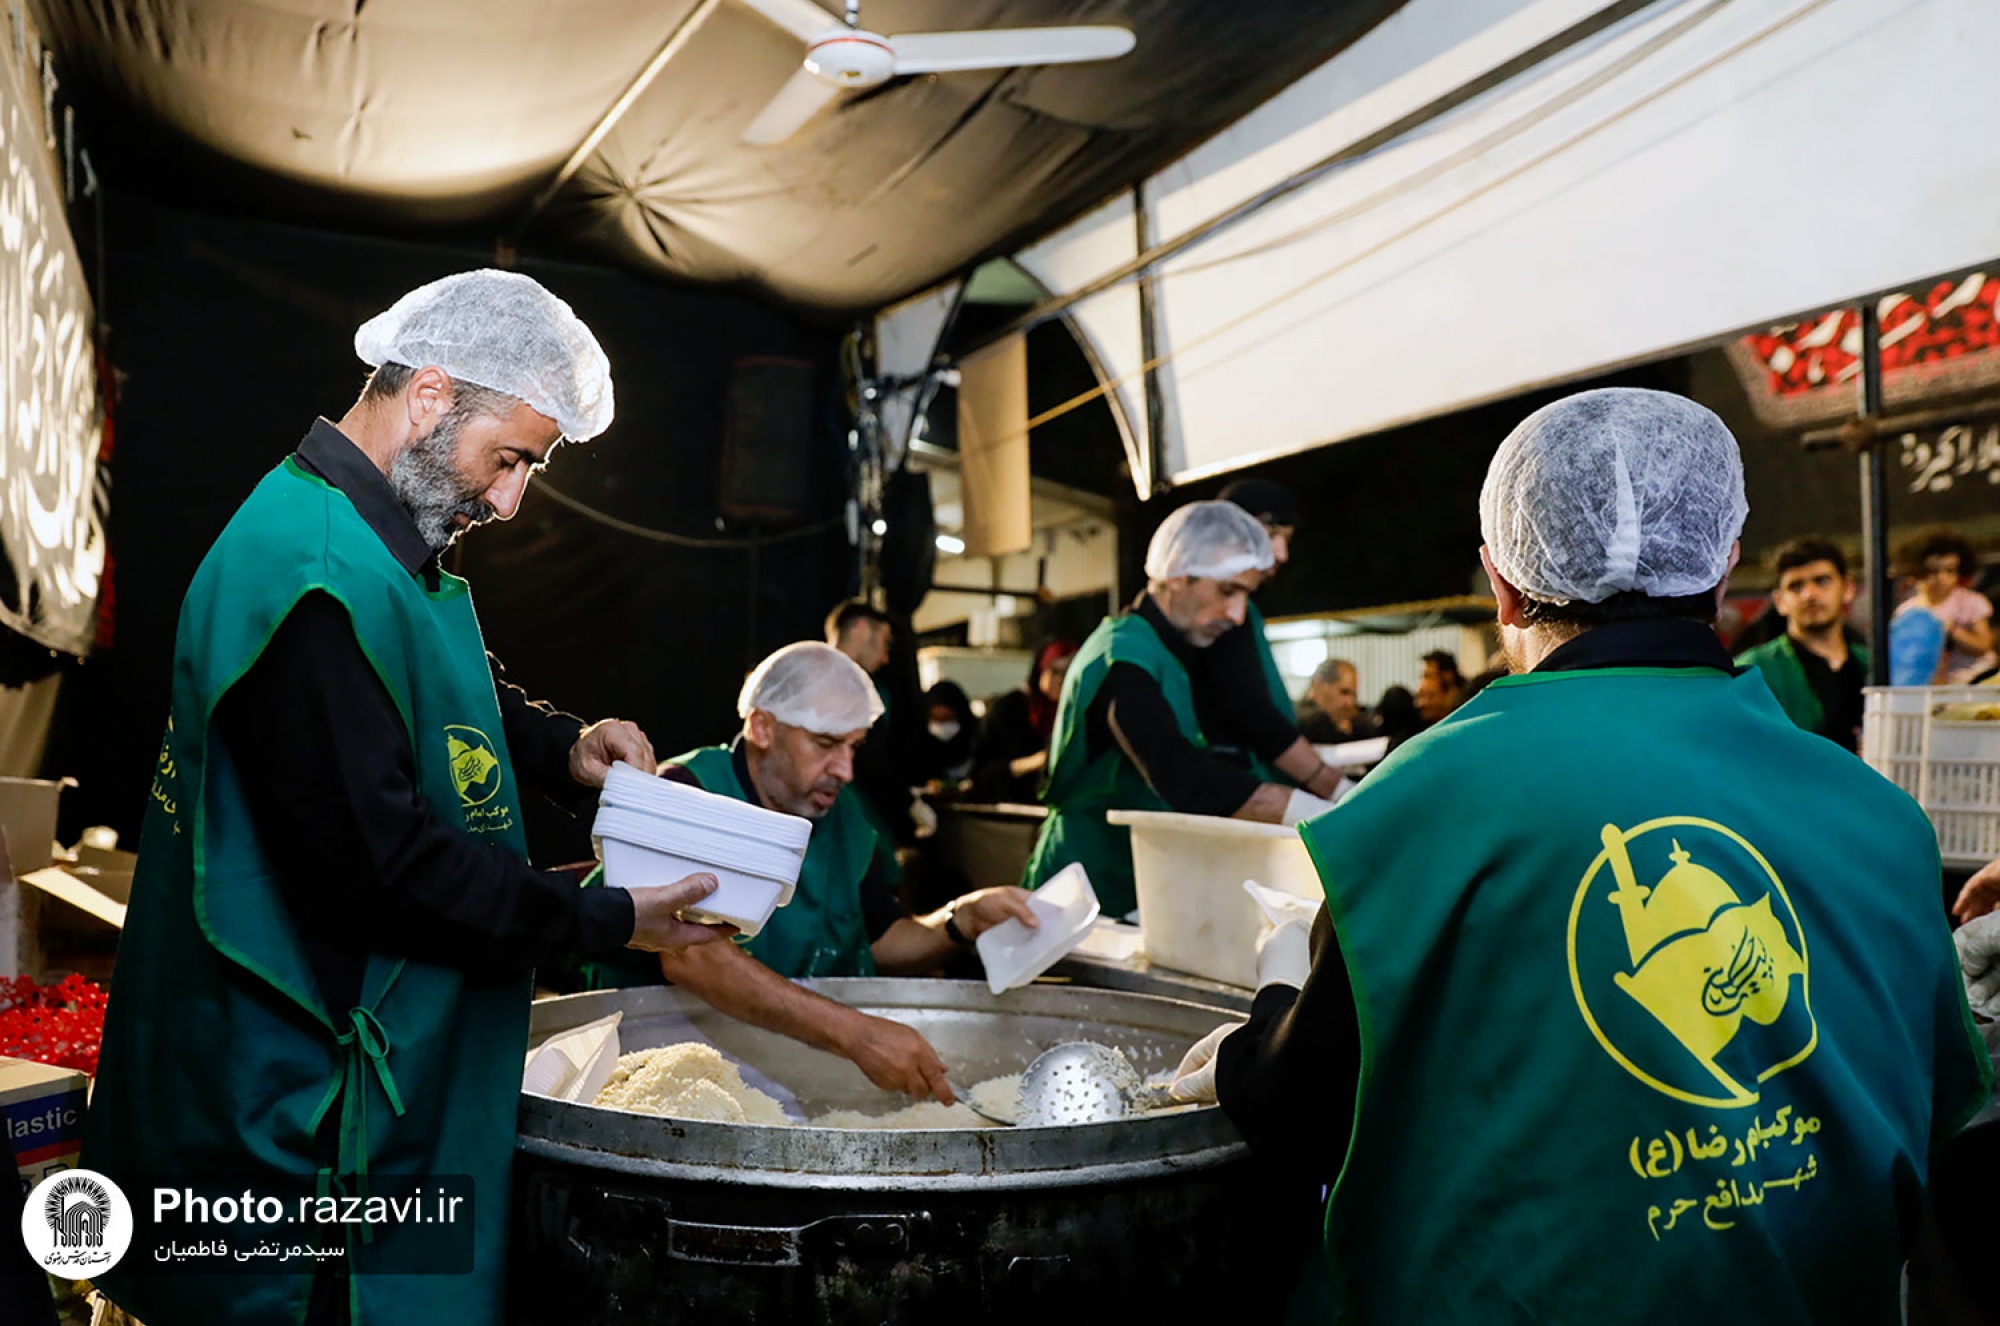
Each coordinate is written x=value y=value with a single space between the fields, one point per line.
x=1809 y=648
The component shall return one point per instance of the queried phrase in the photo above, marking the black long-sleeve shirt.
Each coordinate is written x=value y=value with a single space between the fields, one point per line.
x=326 y=766
x=1232 y=698
x=1006 y=734
x=1287 y=1079
x=1130 y=714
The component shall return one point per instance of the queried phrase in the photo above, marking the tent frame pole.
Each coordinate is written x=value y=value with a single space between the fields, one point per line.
x=1874 y=497
x=1155 y=480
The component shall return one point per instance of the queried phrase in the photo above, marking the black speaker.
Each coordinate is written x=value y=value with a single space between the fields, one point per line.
x=909 y=548
x=767 y=469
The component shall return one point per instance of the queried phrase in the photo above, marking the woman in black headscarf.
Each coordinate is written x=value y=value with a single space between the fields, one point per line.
x=950 y=733
x=1396 y=716
x=1013 y=745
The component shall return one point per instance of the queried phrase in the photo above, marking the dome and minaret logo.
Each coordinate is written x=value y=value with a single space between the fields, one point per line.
x=76 y=1223
x=1688 y=962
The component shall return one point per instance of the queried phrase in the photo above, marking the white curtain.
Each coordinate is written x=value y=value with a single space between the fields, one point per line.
x=1699 y=169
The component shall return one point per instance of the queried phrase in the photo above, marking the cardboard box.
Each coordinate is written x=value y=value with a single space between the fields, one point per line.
x=28 y=820
x=41 y=1111
x=97 y=892
x=79 y=930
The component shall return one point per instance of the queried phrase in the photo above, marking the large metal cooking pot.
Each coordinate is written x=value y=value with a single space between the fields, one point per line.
x=630 y=1218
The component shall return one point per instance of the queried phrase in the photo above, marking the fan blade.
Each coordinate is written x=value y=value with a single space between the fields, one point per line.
x=802 y=18
x=1004 y=48
x=803 y=96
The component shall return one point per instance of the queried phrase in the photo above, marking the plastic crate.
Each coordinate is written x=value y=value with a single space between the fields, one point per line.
x=1951 y=767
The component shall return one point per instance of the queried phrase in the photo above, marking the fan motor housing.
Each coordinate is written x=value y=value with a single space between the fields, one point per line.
x=852 y=59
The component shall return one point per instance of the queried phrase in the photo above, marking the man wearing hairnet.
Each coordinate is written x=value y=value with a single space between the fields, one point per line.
x=1668 y=1030
x=1240 y=698
x=1127 y=733
x=805 y=710
x=323 y=982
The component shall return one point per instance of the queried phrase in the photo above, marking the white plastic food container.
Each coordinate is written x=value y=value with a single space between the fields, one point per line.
x=1189 y=870
x=1354 y=754
x=664 y=798
x=754 y=854
x=1015 y=955
x=574 y=1065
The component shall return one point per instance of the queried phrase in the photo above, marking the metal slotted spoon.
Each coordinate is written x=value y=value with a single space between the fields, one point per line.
x=1083 y=1082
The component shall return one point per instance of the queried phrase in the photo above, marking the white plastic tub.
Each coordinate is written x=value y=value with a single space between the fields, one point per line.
x=1194 y=916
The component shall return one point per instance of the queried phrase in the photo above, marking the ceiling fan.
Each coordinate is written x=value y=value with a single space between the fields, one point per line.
x=845 y=57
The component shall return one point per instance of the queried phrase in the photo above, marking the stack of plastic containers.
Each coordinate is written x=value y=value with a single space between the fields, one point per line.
x=652 y=831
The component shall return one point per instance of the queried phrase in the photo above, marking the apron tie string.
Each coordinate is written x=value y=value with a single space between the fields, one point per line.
x=367 y=1045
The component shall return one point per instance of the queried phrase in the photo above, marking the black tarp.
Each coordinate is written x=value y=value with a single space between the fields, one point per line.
x=232 y=335
x=429 y=113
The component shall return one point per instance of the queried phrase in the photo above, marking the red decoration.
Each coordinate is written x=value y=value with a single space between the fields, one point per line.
x=60 y=1024
x=1919 y=328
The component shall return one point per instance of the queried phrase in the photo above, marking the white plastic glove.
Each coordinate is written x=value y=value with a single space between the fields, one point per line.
x=1303 y=805
x=1979 y=961
x=1194 y=1080
x=1284 y=955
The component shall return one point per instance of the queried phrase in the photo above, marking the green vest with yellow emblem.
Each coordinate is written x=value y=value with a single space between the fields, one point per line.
x=1779 y=661
x=221 y=1060
x=1078 y=789
x=1662 y=1028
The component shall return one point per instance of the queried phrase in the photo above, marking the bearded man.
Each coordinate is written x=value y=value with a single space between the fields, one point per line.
x=323 y=983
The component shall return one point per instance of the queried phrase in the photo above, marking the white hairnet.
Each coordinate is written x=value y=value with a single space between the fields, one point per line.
x=1614 y=490
x=1214 y=540
x=504 y=331
x=813 y=686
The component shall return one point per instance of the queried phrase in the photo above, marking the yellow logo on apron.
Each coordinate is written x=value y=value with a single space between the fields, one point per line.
x=1688 y=962
x=475 y=767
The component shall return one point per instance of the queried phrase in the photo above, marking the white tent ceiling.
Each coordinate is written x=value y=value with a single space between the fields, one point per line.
x=1698 y=168
x=1107 y=327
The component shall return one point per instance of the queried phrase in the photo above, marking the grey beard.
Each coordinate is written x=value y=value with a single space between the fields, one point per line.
x=428 y=484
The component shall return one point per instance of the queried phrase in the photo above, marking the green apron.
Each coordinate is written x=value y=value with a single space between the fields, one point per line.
x=1253 y=622
x=1079 y=790
x=1669 y=1026
x=1778 y=660
x=220 y=1058
x=822 y=930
